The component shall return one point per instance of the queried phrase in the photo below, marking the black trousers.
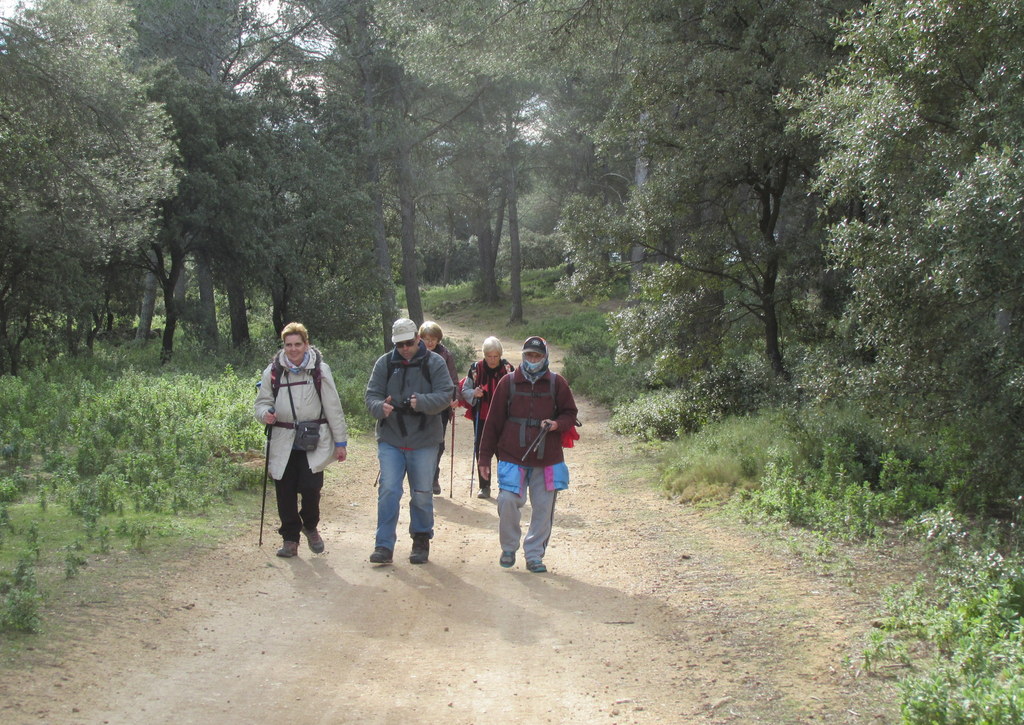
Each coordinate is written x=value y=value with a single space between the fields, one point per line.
x=445 y=417
x=298 y=481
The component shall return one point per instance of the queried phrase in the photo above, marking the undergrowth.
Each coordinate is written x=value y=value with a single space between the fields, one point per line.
x=961 y=633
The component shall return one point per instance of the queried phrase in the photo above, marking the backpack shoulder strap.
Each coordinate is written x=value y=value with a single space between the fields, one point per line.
x=317 y=373
x=275 y=376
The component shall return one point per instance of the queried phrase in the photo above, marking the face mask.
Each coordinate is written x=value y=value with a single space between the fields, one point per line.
x=533 y=367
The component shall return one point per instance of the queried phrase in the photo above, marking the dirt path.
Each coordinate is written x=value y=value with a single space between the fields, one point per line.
x=650 y=613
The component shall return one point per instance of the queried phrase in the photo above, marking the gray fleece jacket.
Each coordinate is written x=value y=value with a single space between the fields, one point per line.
x=393 y=376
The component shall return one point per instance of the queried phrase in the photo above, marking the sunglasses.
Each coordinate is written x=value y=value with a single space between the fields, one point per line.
x=406 y=343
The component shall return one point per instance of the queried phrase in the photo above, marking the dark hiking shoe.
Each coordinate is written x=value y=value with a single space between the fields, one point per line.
x=508 y=559
x=288 y=549
x=420 y=549
x=536 y=566
x=485 y=492
x=315 y=541
x=437 y=488
x=381 y=555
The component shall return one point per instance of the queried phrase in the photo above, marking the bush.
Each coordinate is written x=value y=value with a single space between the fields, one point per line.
x=20 y=610
x=971 y=617
x=658 y=415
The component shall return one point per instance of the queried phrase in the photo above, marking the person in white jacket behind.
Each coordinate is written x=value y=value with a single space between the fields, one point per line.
x=297 y=387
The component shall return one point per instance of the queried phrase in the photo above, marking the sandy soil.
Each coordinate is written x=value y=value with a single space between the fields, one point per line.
x=650 y=613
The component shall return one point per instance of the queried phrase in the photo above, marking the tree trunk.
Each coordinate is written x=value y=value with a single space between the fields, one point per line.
x=207 y=302
x=407 y=210
x=371 y=69
x=146 y=308
x=516 y=261
x=488 y=281
x=636 y=253
x=237 y=311
x=279 y=314
x=449 y=254
x=173 y=286
x=71 y=335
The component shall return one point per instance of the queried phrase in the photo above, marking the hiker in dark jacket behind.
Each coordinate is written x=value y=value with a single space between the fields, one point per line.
x=407 y=390
x=430 y=333
x=533 y=404
x=477 y=391
x=287 y=393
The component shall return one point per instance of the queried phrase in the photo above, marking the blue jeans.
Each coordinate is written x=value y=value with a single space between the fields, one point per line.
x=395 y=463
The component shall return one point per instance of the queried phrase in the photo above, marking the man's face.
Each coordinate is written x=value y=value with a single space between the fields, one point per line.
x=408 y=348
x=533 y=356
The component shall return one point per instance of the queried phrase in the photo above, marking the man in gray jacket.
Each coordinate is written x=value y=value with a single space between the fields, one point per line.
x=408 y=389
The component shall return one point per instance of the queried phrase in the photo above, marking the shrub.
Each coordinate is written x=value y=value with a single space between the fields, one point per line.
x=658 y=415
x=20 y=610
x=971 y=616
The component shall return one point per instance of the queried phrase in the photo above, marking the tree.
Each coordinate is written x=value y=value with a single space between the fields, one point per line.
x=923 y=136
x=215 y=59
x=86 y=159
x=726 y=205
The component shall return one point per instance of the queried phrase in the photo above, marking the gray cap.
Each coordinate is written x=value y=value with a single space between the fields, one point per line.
x=403 y=329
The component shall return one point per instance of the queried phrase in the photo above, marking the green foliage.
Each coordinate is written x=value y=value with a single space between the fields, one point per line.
x=737 y=387
x=921 y=141
x=20 y=609
x=970 y=618
x=84 y=170
x=727 y=456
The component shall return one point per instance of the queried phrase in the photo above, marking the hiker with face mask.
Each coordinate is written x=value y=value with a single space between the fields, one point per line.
x=532 y=409
x=408 y=390
x=298 y=399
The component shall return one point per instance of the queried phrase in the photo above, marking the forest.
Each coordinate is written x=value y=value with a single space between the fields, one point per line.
x=796 y=225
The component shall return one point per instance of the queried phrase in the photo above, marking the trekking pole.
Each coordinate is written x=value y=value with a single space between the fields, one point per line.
x=543 y=431
x=476 y=442
x=451 y=473
x=266 y=468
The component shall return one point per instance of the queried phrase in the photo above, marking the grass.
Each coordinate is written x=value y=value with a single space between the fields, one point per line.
x=70 y=564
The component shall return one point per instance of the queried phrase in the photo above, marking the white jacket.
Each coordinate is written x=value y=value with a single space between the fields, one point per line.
x=307 y=407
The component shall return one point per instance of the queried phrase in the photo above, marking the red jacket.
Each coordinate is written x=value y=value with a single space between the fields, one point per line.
x=510 y=429
x=481 y=376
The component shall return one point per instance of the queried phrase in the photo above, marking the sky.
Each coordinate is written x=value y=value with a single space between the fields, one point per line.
x=7 y=8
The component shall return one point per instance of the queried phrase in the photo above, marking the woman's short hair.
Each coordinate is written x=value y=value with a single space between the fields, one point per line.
x=432 y=330
x=295 y=328
x=492 y=344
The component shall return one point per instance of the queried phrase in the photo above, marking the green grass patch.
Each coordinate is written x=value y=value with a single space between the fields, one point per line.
x=725 y=457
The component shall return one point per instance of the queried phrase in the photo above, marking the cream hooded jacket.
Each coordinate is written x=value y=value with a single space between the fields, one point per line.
x=307 y=407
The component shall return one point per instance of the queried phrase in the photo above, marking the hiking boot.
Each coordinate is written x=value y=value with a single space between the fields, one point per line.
x=288 y=549
x=420 y=549
x=381 y=555
x=437 y=488
x=315 y=541
x=508 y=559
x=536 y=566
x=485 y=492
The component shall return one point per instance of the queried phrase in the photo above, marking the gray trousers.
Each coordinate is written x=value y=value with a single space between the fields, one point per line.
x=510 y=507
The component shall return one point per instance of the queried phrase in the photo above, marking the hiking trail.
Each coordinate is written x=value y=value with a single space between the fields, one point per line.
x=651 y=612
